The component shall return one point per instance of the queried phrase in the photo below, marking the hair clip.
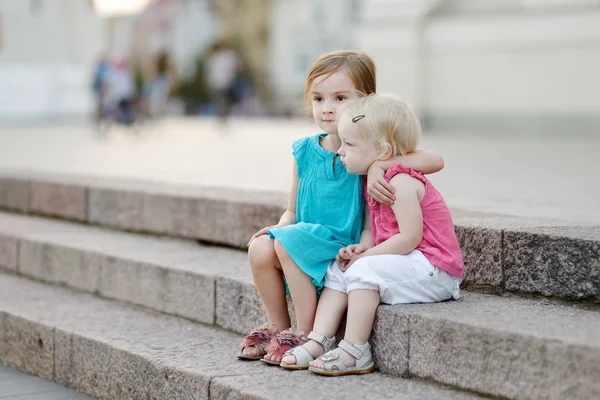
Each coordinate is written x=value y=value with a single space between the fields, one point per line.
x=358 y=118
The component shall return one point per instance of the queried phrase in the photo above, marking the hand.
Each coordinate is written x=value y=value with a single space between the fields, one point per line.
x=263 y=231
x=378 y=188
x=354 y=258
x=348 y=255
x=343 y=258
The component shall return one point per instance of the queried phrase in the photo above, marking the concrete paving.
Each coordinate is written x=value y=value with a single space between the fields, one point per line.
x=547 y=176
x=17 y=385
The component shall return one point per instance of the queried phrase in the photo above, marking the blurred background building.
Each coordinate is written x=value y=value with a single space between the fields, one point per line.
x=528 y=65
x=47 y=48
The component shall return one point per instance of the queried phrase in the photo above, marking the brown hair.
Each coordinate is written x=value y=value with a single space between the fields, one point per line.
x=360 y=67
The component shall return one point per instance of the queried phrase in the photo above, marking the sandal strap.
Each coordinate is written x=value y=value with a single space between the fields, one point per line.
x=330 y=360
x=355 y=350
x=317 y=337
x=262 y=334
x=285 y=340
x=325 y=342
x=261 y=346
x=303 y=357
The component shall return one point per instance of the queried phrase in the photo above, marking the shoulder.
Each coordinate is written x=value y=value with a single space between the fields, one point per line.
x=306 y=142
x=405 y=185
x=300 y=145
x=302 y=150
x=302 y=140
x=401 y=180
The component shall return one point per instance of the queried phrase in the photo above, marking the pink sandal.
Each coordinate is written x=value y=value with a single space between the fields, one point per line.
x=259 y=338
x=282 y=342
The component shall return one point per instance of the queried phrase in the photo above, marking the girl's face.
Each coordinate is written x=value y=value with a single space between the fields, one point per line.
x=328 y=94
x=357 y=152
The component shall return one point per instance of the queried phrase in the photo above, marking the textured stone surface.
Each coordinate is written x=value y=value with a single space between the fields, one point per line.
x=230 y=216
x=19 y=385
x=111 y=347
x=174 y=276
x=60 y=200
x=482 y=250
x=534 y=326
x=105 y=371
x=238 y=306
x=215 y=220
x=26 y=345
x=14 y=194
x=173 y=215
x=501 y=222
x=224 y=216
x=164 y=289
x=303 y=385
x=116 y=208
x=113 y=351
x=58 y=264
x=505 y=364
x=9 y=247
x=507 y=347
x=390 y=340
x=553 y=261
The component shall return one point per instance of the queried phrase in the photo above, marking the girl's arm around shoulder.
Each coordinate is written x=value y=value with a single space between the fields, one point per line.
x=407 y=209
x=427 y=162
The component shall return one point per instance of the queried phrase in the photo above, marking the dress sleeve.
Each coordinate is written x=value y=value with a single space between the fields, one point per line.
x=299 y=149
x=401 y=169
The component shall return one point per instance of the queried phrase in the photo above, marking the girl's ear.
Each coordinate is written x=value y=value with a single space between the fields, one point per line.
x=386 y=152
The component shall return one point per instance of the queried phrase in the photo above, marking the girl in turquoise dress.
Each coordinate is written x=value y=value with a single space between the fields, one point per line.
x=324 y=211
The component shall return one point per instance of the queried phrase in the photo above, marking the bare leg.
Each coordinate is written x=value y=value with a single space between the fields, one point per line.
x=304 y=294
x=362 y=306
x=330 y=310
x=267 y=276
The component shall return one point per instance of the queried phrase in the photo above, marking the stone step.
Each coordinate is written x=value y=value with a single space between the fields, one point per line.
x=115 y=351
x=17 y=385
x=504 y=346
x=502 y=253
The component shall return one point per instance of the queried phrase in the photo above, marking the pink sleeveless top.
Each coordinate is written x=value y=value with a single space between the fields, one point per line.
x=439 y=243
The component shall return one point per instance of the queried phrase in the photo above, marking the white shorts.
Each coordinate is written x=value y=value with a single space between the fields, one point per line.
x=399 y=279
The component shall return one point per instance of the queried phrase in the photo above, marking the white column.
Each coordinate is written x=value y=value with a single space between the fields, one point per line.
x=393 y=32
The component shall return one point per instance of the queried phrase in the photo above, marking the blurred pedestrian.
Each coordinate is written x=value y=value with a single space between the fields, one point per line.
x=121 y=90
x=98 y=84
x=222 y=67
x=163 y=79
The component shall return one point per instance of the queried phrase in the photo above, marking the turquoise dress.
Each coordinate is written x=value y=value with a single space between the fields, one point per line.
x=329 y=209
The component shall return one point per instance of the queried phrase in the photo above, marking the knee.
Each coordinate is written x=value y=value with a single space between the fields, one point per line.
x=261 y=253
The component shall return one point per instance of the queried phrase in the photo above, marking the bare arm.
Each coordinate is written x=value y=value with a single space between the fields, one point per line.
x=346 y=254
x=366 y=236
x=289 y=215
x=427 y=162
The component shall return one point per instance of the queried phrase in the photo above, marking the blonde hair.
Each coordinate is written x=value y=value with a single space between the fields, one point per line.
x=360 y=68
x=386 y=119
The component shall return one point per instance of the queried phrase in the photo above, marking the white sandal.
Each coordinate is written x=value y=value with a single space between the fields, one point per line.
x=303 y=357
x=335 y=367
